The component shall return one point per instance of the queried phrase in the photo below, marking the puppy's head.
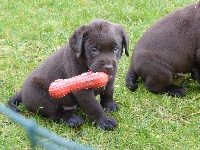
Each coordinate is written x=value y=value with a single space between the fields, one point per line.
x=99 y=45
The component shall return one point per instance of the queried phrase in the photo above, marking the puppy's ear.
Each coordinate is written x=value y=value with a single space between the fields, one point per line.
x=125 y=41
x=76 y=40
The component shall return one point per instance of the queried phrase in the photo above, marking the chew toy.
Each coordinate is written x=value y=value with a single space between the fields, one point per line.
x=61 y=87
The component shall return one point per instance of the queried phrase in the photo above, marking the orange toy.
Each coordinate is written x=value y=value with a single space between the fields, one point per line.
x=61 y=87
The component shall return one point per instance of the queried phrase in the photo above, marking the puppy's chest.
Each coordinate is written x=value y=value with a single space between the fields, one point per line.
x=97 y=91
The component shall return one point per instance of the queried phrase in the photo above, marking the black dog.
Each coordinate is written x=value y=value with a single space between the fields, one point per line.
x=170 y=46
x=96 y=46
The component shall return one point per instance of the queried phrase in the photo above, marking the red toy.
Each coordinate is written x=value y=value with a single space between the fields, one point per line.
x=61 y=87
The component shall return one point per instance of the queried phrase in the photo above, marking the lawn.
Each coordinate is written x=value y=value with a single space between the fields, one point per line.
x=30 y=31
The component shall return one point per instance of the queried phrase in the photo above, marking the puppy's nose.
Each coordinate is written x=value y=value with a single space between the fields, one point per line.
x=108 y=68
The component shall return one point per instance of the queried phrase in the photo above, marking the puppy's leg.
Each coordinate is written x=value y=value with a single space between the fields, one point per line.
x=107 y=100
x=71 y=119
x=94 y=110
x=162 y=83
x=14 y=102
x=195 y=74
x=38 y=101
x=196 y=70
x=130 y=80
x=174 y=90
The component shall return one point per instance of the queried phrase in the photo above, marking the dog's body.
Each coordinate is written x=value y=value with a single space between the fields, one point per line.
x=171 y=45
x=96 y=46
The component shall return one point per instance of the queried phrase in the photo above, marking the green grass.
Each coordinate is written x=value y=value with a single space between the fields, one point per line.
x=30 y=31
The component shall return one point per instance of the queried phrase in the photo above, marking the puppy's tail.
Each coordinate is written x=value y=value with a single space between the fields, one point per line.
x=15 y=101
x=130 y=80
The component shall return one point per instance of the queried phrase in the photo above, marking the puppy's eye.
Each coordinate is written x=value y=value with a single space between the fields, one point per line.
x=116 y=48
x=94 y=50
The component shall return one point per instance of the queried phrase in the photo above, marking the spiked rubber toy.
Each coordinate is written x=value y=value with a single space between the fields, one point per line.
x=61 y=87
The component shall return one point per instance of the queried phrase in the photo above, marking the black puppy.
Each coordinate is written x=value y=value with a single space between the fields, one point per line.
x=171 y=45
x=96 y=46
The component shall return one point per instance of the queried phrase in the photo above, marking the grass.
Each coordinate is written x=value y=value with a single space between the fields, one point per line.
x=30 y=31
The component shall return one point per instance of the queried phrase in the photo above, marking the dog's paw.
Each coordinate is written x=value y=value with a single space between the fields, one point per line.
x=175 y=90
x=73 y=120
x=107 y=123
x=132 y=87
x=131 y=81
x=110 y=106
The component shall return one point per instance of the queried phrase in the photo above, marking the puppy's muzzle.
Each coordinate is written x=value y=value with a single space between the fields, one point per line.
x=108 y=68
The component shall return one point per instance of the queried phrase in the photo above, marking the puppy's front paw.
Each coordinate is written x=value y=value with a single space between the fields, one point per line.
x=110 y=106
x=73 y=120
x=107 y=123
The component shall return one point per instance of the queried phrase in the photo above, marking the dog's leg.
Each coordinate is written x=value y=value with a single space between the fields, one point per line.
x=196 y=70
x=94 y=110
x=163 y=84
x=14 y=102
x=71 y=119
x=106 y=96
x=157 y=74
x=195 y=74
x=130 y=80
x=39 y=101
x=173 y=90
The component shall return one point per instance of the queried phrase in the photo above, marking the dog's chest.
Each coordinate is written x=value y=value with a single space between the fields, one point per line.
x=97 y=91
